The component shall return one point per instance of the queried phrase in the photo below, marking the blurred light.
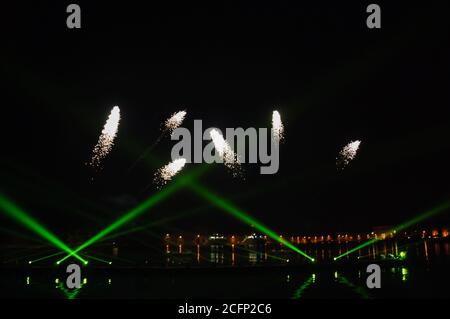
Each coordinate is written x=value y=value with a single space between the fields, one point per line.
x=404 y=274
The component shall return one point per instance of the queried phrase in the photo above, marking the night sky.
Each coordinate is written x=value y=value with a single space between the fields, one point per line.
x=332 y=79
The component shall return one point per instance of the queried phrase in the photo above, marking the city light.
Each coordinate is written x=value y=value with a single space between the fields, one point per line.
x=242 y=216
x=415 y=220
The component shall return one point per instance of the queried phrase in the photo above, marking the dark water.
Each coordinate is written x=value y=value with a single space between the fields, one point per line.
x=424 y=273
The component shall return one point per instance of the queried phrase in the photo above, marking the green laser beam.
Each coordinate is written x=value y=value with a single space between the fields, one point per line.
x=242 y=216
x=398 y=228
x=157 y=222
x=17 y=234
x=21 y=257
x=97 y=259
x=114 y=258
x=26 y=220
x=139 y=210
x=45 y=257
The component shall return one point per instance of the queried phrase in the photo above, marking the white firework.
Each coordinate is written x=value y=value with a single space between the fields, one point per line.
x=347 y=153
x=106 y=139
x=277 y=127
x=230 y=159
x=167 y=172
x=175 y=120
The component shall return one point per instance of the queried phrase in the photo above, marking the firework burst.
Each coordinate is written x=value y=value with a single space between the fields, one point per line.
x=230 y=159
x=277 y=127
x=106 y=139
x=167 y=172
x=175 y=120
x=347 y=154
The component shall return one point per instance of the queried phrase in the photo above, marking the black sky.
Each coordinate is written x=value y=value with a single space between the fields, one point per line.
x=230 y=65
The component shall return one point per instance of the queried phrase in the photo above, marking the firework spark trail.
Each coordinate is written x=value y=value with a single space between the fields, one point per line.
x=173 y=122
x=230 y=159
x=106 y=139
x=277 y=127
x=167 y=172
x=347 y=154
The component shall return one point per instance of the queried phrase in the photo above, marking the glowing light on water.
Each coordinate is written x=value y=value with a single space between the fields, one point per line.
x=230 y=159
x=106 y=139
x=277 y=127
x=167 y=172
x=347 y=154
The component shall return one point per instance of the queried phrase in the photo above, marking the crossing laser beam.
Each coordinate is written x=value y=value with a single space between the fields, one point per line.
x=20 y=216
x=242 y=216
x=139 y=210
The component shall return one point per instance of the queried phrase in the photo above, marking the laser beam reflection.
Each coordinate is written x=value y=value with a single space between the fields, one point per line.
x=106 y=139
x=140 y=209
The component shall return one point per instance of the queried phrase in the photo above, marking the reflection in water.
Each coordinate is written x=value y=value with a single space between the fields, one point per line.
x=232 y=255
x=267 y=253
x=347 y=282
x=70 y=294
x=361 y=291
x=426 y=249
x=299 y=292
x=404 y=273
x=217 y=255
x=198 y=254
x=437 y=249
